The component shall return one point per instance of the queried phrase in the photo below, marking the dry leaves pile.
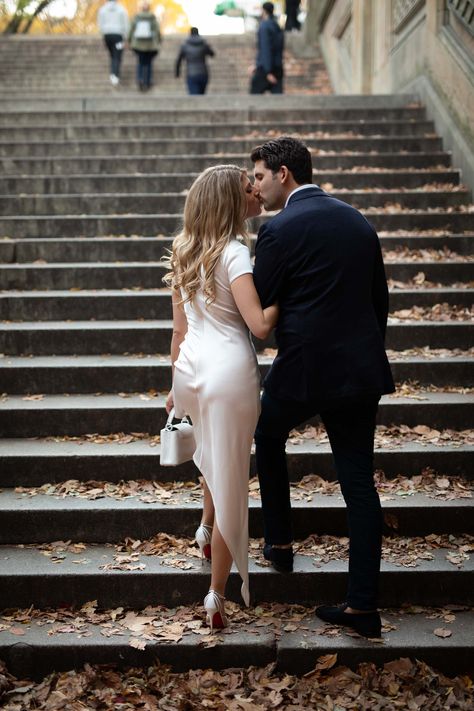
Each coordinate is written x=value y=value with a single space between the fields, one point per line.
x=390 y=437
x=412 y=389
x=401 y=683
x=394 y=208
x=159 y=623
x=182 y=553
x=424 y=352
x=149 y=492
x=415 y=232
x=427 y=188
x=420 y=281
x=403 y=551
x=427 y=353
x=177 y=493
x=406 y=254
x=429 y=483
x=438 y=312
x=393 y=436
x=113 y=438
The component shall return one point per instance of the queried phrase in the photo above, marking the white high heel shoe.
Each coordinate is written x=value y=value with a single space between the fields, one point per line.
x=215 y=613
x=203 y=537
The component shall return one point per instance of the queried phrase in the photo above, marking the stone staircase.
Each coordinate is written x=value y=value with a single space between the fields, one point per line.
x=91 y=191
x=78 y=65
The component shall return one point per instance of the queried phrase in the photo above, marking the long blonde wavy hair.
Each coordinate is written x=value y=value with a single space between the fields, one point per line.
x=214 y=213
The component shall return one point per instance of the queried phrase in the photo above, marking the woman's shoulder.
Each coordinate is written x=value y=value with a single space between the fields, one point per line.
x=235 y=247
x=236 y=259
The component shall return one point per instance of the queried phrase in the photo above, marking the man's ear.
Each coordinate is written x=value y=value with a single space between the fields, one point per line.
x=285 y=175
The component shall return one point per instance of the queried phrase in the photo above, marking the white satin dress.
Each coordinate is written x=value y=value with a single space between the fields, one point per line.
x=217 y=382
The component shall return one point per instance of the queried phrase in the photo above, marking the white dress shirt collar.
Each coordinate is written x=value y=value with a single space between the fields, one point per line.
x=300 y=187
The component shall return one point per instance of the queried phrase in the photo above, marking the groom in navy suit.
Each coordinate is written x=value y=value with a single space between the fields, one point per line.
x=321 y=261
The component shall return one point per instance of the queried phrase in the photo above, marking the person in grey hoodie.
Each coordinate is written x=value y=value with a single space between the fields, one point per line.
x=113 y=24
x=194 y=52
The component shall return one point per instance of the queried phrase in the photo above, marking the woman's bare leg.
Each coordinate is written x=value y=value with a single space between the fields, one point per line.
x=221 y=562
x=208 y=505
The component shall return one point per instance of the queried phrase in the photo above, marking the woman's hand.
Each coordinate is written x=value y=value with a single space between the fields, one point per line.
x=271 y=314
x=169 y=402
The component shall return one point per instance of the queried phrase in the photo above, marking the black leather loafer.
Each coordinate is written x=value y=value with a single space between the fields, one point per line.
x=368 y=624
x=280 y=558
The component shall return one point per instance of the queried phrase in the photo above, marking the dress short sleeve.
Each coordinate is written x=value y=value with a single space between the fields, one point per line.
x=237 y=260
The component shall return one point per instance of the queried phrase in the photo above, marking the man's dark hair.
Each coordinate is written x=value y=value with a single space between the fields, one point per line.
x=286 y=151
x=194 y=31
x=269 y=8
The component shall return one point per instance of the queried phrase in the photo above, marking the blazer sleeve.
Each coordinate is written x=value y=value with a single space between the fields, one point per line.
x=380 y=290
x=179 y=59
x=266 y=48
x=270 y=267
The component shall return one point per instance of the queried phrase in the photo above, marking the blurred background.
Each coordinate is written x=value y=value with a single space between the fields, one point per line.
x=79 y=16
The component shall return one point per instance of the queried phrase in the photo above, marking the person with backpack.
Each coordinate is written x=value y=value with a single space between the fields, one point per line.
x=144 y=38
x=268 y=72
x=194 y=52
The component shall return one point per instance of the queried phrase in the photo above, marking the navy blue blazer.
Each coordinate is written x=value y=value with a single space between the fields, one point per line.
x=270 y=43
x=321 y=261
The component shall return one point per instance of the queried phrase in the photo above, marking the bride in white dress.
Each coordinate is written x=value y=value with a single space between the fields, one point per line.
x=215 y=373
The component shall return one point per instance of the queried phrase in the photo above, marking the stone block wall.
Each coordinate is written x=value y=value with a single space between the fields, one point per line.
x=396 y=46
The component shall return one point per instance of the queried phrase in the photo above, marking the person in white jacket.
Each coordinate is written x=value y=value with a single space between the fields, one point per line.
x=114 y=24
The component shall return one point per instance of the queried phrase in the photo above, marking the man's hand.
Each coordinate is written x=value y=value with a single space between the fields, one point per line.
x=272 y=78
x=169 y=402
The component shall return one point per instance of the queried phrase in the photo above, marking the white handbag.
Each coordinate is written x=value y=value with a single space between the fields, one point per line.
x=177 y=442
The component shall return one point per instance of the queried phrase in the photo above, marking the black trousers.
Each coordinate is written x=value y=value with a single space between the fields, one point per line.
x=111 y=42
x=259 y=83
x=350 y=429
x=292 y=8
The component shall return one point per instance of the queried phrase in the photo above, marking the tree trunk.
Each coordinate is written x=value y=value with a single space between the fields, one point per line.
x=43 y=4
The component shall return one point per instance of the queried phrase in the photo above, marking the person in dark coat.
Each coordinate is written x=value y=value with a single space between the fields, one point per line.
x=321 y=261
x=194 y=52
x=292 y=8
x=268 y=72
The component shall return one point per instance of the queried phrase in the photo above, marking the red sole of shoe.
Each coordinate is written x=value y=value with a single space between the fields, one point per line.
x=207 y=551
x=217 y=621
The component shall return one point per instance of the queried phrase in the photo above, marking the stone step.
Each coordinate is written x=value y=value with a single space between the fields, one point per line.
x=34 y=462
x=28 y=578
x=199 y=113
x=42 y=518
x=410 y=635
x=73 y=415
x=175 y=182
x=105 y=275
x=199 y=146
x=129 y=102
x=195 y=163
x=47 y=226
x=155 y=303
x=154 y=130
x=151 y=202
x=164 y=86
x=143 y=249
x=110 y=374
x=154 y=336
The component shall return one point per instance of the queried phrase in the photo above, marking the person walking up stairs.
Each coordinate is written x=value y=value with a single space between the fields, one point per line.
x=113 y=22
